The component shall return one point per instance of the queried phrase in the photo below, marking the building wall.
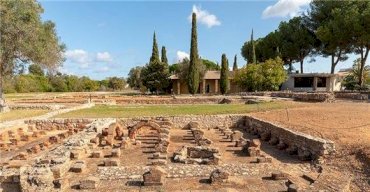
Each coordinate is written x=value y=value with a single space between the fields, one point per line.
x=332 y=84
x=233 y=87
x=212 y=87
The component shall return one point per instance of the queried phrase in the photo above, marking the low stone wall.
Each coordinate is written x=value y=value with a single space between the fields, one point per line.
x=177 y=100
x=58 y=124
x=307 y=146
x=353 y=95
x=41 y=107
x=311 y=97
x=205 y=121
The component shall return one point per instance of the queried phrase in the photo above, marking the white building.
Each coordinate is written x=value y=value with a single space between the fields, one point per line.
x=313 y=82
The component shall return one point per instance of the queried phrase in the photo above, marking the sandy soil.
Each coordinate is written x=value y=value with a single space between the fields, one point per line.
x=346 y=123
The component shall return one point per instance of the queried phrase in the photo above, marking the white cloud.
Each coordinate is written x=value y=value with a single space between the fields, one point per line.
x=285 y=8
x=103 y=57
x=78 y=56
x=204 y=17
x=181 y=55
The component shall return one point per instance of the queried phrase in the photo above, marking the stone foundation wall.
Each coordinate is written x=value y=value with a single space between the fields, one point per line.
x=41 y=107
x=312 y=146
x=311 y=97
x=174 y=100
x=58 y=124
x=353 y=95
x=205 y=121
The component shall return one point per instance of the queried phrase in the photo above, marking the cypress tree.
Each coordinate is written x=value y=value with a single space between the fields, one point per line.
x=235 y=65
x=253 y=49
x=164 y=55
x=224 y=78
x=154 y=75
x=193 y=74
x=155 y=54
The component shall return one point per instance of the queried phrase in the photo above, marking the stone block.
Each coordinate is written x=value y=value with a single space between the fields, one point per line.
x=116 y=152
x=90 y=182
x=237 y=135
x=155 y=176
x=253 y=152
x=96 y=154
x=159 y=162
x=264 y=159
x=61 y=184
x=219 y=176
x=78 y=167
x=111 y=162
x=76 y=154
x=293 y=188
x=278 y=175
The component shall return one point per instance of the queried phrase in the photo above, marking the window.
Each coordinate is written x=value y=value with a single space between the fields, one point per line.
x=303 y=82
x=321 y=82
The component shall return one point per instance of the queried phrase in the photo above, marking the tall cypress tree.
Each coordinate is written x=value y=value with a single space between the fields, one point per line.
x=253 y=49
x=224 y=78
x=155 y=54
x=164 y=55
x=193 y=75
x=235 y=65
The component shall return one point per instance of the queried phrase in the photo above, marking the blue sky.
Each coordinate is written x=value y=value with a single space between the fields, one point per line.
x=108 y=38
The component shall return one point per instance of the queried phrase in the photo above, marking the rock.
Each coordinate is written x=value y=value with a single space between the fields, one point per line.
x=116 y=153
x=111 y=162
x=89 y=183
x=96 y=154
x=219 y=176
x=78 y=167
x=225 y=101
x=278 y=175
x=292 y=188
x=155 y=176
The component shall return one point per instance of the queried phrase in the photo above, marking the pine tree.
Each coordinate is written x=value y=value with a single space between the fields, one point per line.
x=235 y=65
x=224 y=78
x=164 y=56
x=193 y=75
x=155 y=54
x=253 y=49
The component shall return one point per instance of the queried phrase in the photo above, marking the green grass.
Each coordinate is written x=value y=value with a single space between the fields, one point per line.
x=102 y=111
x=20 y=114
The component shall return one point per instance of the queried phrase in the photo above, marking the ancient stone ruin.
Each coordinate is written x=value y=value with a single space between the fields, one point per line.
x=197 y=155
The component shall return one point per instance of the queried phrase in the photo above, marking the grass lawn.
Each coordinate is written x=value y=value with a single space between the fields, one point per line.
x=20 y=114
x=102 y=111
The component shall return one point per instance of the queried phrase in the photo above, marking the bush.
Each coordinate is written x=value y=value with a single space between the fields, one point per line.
x=267 y=76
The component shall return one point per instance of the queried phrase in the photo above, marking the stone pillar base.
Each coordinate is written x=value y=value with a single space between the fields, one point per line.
x=3 y=106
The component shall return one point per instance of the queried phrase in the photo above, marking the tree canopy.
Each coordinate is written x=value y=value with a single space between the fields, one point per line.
x=25 y=38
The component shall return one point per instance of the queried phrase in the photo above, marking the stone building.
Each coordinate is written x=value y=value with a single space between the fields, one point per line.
x=313 y=82
x=210 y=84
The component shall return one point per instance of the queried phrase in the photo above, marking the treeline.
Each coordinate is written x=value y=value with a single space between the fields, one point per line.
x=37 y=81
x=331 y=29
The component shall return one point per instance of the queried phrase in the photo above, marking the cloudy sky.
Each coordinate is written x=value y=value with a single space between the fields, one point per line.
x=108 y=38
